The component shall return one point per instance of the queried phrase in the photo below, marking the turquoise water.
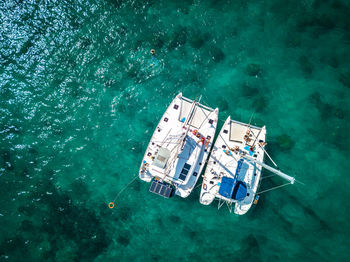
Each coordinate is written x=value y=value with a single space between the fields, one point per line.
x=80 y=100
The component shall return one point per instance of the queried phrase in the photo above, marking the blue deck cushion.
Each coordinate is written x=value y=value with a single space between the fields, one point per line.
x=226 y=187
x=249 y=151
x=240 y=191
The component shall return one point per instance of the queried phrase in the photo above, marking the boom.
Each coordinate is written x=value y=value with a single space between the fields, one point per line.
x=273 y=170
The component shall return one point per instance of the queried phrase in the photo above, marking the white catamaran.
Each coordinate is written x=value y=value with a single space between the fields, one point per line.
x=179 y=147
x=234 y=168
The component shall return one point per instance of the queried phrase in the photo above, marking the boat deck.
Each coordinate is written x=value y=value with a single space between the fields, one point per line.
x=224 y=159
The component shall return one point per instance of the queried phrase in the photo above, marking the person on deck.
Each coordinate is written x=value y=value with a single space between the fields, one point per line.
x=262 y=143
x=247 y=136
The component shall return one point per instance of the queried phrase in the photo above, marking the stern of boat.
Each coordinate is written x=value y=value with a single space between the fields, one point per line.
x=206 y=198
x=145 y=177
x=183 y=192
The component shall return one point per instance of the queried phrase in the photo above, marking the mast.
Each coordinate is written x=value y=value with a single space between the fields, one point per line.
x=273 y=170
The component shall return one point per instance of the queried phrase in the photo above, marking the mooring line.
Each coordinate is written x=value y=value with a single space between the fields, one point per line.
x=111 y=204
x=266 y=177
x=197 y=186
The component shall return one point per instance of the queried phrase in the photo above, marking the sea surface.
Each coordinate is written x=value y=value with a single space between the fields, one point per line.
x=80 y=96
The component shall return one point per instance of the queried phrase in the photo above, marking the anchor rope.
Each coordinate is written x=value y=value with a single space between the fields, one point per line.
x=125 y=187
x=197 y=186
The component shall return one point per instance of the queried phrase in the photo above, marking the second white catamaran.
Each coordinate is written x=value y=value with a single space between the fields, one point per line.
x=234 y=168
x=179 y=147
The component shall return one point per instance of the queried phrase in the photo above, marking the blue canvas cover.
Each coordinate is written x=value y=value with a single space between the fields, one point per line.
x=240 y=191
x=249 y=151
x=230 y=189
x=227 y=187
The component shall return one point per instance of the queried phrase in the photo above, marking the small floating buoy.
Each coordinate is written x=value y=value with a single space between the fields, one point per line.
x=256 y=199
x=111 y=205
x=153 y=51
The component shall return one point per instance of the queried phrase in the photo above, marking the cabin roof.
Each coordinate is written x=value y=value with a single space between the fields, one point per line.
x=162 y=157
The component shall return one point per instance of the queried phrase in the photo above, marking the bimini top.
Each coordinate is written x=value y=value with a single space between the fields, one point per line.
x=226 y=187
x=231 y=189
x=240 y=191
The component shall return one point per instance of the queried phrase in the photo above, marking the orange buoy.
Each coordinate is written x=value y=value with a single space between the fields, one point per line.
x=111 y=205
x=256 y=199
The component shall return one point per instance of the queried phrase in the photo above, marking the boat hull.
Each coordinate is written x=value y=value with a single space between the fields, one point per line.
x=182 y=144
